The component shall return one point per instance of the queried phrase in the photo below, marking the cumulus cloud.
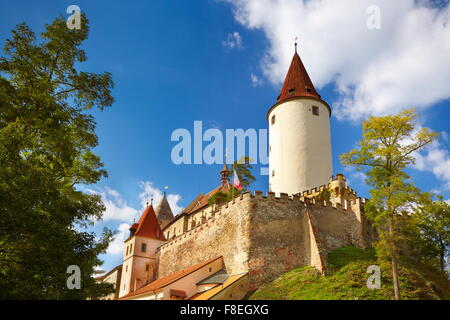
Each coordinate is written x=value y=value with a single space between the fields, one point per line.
x=233 y=41
x=116 y=246
x=435 y=159
x=403 y=64
x=117 y=209
x=149 y=191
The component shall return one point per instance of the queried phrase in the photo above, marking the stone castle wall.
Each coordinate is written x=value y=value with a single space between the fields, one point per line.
x=267 y=236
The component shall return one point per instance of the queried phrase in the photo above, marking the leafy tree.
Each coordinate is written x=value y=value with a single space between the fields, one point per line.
x=46 y=142
x=243 y=169
x=434 y=230
x=224 y=197
x=386 y=149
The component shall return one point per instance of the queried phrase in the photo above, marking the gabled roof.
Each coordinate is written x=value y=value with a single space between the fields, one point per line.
x=207 y=295
x=103 y=276
x=200 y=202
x=218 y=277
x=148 y=225
x=297 y=82
x=163 y=282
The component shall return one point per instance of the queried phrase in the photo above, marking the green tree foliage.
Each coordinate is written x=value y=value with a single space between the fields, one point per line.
x=244 y=169
x=433 y=231
x=46 y=142
x=386 y=149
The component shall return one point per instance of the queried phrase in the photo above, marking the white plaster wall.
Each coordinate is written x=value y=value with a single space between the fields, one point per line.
x=300 y=146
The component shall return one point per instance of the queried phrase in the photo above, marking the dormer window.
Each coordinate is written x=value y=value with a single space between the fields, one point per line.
x=291 y=91
x=309 y=90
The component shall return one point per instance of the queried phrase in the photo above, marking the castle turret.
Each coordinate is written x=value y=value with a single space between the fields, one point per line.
x=299 y=135
x=164 y=212
x=140 y=263
x=225 y=176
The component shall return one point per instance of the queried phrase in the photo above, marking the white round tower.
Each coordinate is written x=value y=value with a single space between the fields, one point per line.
x=299 y=135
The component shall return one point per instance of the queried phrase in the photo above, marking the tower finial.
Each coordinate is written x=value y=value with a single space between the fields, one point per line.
x=165 y=189
x=296 y=38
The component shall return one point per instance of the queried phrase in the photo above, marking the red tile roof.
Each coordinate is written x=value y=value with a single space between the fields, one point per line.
x=202 y=200
x=163 y=282
x=148 y=225
x=297 y=82
x=199 y=203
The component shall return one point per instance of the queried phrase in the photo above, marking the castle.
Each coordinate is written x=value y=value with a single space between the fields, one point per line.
x=227 y=251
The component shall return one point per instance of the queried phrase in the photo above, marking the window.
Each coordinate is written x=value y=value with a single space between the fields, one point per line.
x=273 y=120
x=127 y=250
x=147 y=267
x=273 y=173
x=209 y=269
x=308 y=90
x=126 y=269
x=131 y=248
x=291 y=91
x=144 y=247
x=315 y=111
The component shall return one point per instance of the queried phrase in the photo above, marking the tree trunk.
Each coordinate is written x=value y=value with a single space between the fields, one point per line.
x=394 y=259
x=395 y=275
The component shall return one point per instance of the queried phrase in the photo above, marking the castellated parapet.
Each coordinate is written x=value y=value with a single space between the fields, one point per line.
x=267 y=235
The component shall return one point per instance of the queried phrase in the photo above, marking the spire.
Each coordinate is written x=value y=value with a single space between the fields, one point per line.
x=297 y=82
x=148 y=225
x=164 y=212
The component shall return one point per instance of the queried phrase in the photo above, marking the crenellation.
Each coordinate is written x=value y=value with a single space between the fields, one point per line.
x=284 y=196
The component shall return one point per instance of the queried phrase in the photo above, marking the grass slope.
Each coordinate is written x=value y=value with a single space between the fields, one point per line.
x=346 y=280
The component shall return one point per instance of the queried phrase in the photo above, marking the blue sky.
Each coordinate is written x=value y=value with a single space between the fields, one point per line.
x=221 y=62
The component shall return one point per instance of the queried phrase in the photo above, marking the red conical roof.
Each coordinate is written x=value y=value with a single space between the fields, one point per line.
x=148 y=225
x=297 y=82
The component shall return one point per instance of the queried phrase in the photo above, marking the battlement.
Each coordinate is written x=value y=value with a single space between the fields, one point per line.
x=337 y=180
x=217 y=213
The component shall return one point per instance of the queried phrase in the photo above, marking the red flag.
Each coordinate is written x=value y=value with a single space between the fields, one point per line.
x=236 y=182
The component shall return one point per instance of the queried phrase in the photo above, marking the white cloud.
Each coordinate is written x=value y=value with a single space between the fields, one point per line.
x=234 y=40
x=435 y=159
x=256 y=81
x=149 y=191
x=404 y=64
x=116 y=246
x=117 y=208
